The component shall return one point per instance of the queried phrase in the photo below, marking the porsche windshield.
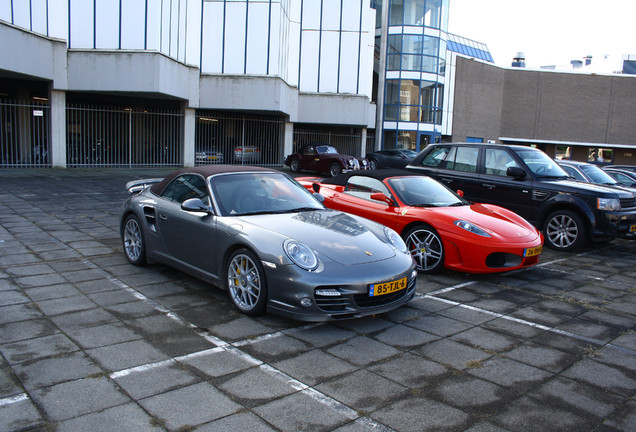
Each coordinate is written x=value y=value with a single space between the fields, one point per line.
x=238 y=194
x=419 y=191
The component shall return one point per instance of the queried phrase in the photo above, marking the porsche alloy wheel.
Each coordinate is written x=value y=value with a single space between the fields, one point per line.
x=335 y=169
x=133 y=240
x=246 y=283
x=564 y=230
x=426 y=247
x=294 y=166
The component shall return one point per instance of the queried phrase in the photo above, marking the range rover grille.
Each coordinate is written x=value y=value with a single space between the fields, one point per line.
x=628 y=203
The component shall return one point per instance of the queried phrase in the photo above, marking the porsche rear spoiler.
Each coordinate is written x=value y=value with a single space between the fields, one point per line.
x=136 y=186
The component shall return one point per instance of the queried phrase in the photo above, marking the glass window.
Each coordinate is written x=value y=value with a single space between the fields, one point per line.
x=429 y=64
x=412 y=44
x=393 y=62
x=185 y=187
x=409 y=113
x=600 y=155
x=396 y=12
x=391 y=113
x=572 y=172
x=414 y=12
x=433 y=13
x=465 y=159
x=498 y=161
x=390 y=139
x=563 y=152
x=407 y=139
x=409 y=92
x=430 y=46
x=395 y=44
x=411 y=62
x=392 y=92
x=428 y=89
x=435 y=157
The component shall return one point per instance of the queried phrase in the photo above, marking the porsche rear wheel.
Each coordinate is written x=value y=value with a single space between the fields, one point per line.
x=134 y=241
x=426 y=247
x=335 y=169
x=245 y=282
x=294 y=166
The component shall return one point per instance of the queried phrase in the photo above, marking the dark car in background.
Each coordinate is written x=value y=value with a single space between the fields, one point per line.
x=623 y=176
x=587 y=172
x=394 y=158
x=528 y=182
x=323 y=158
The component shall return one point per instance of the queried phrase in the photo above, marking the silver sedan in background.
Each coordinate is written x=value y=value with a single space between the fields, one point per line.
x=272 y=244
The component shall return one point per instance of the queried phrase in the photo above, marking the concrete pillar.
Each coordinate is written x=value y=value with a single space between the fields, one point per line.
x=363 y=143
x=288 y=146
x=189 y=131
x=57 y=145
x=379 y=120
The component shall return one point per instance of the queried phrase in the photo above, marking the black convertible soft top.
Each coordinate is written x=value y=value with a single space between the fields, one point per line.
x=206 y=171
x=380 y=174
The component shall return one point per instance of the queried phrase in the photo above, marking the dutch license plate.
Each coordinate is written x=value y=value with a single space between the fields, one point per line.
x=632 y=228
x=211 y=157
x=532 y=251
x=387 y=287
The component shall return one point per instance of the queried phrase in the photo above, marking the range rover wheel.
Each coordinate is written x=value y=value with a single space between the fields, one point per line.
x=426 y=247
x=245 y=282
x=565 y=230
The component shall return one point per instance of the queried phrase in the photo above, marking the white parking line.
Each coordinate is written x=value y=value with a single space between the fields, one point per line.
x=13 y=399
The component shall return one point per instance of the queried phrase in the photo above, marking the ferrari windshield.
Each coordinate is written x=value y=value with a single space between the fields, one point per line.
x=540 y=163
x=239 y=194
x=420 y=191
x=325 y=149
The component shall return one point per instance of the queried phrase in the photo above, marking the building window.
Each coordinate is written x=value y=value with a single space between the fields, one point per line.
x=563 y=152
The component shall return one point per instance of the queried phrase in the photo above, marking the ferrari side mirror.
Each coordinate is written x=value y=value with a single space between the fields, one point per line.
x=379 y=196
x=460 y=193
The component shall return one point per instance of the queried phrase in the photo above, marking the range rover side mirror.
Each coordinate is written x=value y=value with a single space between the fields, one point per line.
x=515 y=172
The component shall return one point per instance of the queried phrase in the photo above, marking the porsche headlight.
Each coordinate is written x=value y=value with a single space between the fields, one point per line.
x=611 y=204
x=468 y=226
x=300 y=254
x=395 y=239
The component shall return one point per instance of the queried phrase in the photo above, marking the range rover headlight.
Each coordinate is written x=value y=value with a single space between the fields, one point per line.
x=611 y=204
x=300 y=254
x=395 y=239
x=469 y=226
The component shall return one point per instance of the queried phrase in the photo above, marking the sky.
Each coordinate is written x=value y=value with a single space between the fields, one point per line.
x=548 y=32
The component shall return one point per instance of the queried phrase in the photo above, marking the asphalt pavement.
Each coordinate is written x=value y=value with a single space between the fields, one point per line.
x=89 y=342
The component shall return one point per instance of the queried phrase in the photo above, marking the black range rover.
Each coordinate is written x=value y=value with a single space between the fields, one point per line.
x=528 y=182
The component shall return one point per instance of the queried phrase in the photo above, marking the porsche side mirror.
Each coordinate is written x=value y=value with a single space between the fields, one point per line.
x=379 y=196
x=460 y=193
x=515 y=172
x=195 y=205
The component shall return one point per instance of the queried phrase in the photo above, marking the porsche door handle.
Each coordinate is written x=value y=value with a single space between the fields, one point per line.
x=163 y=217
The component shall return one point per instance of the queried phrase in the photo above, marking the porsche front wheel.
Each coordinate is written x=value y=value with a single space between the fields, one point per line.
x=245 y=282
x=134 y=241
x=426 y=247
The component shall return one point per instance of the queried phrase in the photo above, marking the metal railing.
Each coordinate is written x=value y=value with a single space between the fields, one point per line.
x=345 y=143
x=123 y=137
x=24 y=134
x=244 y=139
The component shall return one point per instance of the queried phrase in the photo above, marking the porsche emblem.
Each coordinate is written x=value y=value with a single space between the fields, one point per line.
x=368 y=253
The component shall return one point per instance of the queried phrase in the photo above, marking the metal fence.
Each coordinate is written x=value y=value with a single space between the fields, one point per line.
x=123 y=137
x=243 y=139
x=24 y=134
x=345 y=143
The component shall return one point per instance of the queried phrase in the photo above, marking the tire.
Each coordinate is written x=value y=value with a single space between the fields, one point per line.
x=373 y=164
x=564 y=230
x=245 y=282
x=426 y=248
x=335 y=169
x=294 y=166
x=134 y=241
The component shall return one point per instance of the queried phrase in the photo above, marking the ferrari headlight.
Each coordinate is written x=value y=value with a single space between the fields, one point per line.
x=395 y=239
x=611 y=204
x=468 y=226
x=300 y=254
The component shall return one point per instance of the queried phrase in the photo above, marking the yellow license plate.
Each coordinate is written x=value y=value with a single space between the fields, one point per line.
x=532 y=251
x=632 y=228
x=387 y=287
x=211 y=157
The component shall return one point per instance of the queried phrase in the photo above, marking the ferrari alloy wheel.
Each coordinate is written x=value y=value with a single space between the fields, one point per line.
x=246 y=284
x=335 y=169
x=133 y=240
x=564 y=230
x=294 y=166
x=426 y=248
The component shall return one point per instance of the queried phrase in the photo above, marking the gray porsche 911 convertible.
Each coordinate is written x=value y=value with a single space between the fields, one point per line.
x=268 y=241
